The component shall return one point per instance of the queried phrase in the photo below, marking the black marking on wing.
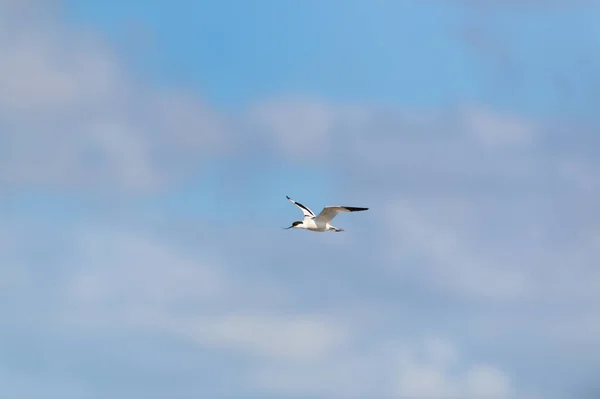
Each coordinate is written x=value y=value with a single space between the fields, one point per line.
x=355 y=209
x=305 y=208
x=301 y=206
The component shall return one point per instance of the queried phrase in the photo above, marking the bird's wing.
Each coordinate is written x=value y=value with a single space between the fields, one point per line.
x=329 y=212
x=307 y=212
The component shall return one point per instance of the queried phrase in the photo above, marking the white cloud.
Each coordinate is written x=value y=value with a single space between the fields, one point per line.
x=458 y=260
x=140 y=271
x=440 y=352
x=487 y=381
x=419 y=368
x=426 y=376
x=300 y=130
x=73 y=115
x=293 y=337
x=42 y=75
x=117 y=281
x=451 y=264
x=426 y=371
x=493 y=130
x=95 y=125
x=133 y=281
x=425 y=382
x=581 y=173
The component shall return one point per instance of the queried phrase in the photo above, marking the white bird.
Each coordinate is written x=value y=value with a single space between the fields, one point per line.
x=321 y=221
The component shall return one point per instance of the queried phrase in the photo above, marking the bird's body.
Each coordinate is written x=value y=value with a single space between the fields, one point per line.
x=320 y=222
x=316 y=225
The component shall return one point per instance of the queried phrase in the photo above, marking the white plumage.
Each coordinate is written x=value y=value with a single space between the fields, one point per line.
x=321 y=221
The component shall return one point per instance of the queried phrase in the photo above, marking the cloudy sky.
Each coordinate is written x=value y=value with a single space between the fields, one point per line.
x=146 y=149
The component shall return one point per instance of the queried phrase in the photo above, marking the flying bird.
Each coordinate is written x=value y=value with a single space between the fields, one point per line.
x=321 y=221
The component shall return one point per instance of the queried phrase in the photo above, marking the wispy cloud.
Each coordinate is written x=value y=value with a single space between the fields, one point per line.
x=478 y=254
x=74 y=116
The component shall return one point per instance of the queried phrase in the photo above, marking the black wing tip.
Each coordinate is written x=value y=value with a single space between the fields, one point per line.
x=355 y=209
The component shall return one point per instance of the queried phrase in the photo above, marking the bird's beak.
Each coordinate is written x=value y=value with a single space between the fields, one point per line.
x=287 y=228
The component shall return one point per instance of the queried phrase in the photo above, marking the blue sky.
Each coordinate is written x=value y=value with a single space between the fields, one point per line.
x=237 y=51
x=411 y=53
x=146 y=149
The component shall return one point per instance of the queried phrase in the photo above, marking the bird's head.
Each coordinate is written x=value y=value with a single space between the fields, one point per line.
x=295 y=225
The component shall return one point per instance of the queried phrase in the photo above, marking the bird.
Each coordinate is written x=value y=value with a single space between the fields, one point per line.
x=320 y=222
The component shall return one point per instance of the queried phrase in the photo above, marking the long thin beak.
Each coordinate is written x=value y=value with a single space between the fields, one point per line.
x=287 y=228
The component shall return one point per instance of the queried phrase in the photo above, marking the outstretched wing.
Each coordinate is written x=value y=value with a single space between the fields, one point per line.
x=329 y=212
x=307 y=212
